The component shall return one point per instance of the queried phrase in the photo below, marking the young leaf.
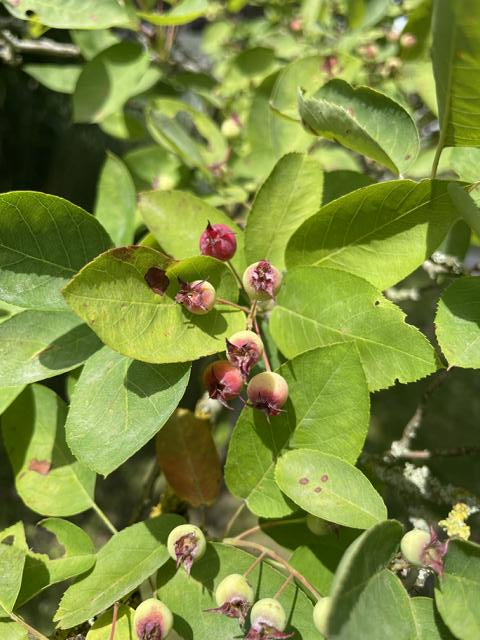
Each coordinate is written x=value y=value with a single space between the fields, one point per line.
x=428 y=624
x=456 y=66
x=118 y=405
x=102 y=628
x=41 y=571
x=44 y=241
x=457 y=322
x=57 y=77
x=291 y=194
x=190 y=597
x=108 y=80
x=182 y=13
x=328 y=410
x=47 y=343
x=318 y=307
x=47 y=477
x=458 y=592
x=368 y=600
x=329 y=488
x=113 y=297
x=381 y=233
x=69 y=14
x=123 y=563
x=363 y=120
x=188 y=458
x=116 y=200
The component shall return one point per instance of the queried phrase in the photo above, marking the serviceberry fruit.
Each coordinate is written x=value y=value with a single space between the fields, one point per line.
x=268 y=391
x=186 y=543
x=424 y=549
x=268 y=621
x=261 y=280
x=318 y=526
x=223 y=381
x=198 y=296
x=153 y=620
x=321 y=612
x=234 y=596
x=244 y=350
x=218 y=241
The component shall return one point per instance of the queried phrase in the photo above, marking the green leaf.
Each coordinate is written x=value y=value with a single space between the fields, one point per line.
x=291 y=194
x=188 y=458
x=467 y=205
x=458 y=591
x=47 y=343
x=118 y=405
x=102 y=628
x=319 y=307
x=153 y=167
x=8 y=395
x=11 y=630
x=368 y=600
x=47 y=477
x=153 y=327
x=57 y=77
x=457 y=322
x=12 y=560
x=382 y=232
x=44 y=241
x=342 y=181
x=329 y=488
x=123 y=563
x=456 y=66
x=108 y=80
x=465 y=162
x=190 y=597
x=182 y=13
x=306 y=73
x=328 y=410
x=366 y=13
x=167 y=212
x=41 y=572
x=116 y=200
x=70 y=14
x=90 y=42
x=428 y=624
x=363 y=120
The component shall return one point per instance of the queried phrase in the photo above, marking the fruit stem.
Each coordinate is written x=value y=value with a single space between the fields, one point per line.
x=233 y=519
x=236 y=542
x=266 y=361
x=268 y=525
x=114 y=622
x=235 y=273
x=283 y=587
x=233 y=304
x=256 y=562
x=104 y=518
x=251 y=315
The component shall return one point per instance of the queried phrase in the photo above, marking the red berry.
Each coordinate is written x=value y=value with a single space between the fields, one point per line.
x=268 y=391
x=261 y=280
x=244 y=350
x=223 y=381
x=153 y=620
x=218 y=241
x=198 y=296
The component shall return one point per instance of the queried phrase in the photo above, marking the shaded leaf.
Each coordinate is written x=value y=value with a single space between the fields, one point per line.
x=118 y=405
x=8 y=395
x=33 y=431
x=12 y=561
x=188 y=458
x=102 y=628
x=467 y=205
x=69 y=14
x=57 y=77
x=428 y=624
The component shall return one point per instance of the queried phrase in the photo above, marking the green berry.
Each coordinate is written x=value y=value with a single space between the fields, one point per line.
x=268 y=612
x=317 y=526
x=413 y=546
x=234 y=587
x=321 y=612
x=186 y=543
x=153 y=620
x=261 y=280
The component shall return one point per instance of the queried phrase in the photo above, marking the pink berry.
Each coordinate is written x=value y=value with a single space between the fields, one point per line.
x=218 y=241
x=268 y=391
x=223 y=381
x=153 y=620
x=261 y=280
x=198 y=296
x=424 y=549
x=244 y=350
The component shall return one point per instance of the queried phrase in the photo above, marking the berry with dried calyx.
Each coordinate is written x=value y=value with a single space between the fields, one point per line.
x=223 y=381
x=244 y=350
x=153 y=620
x=198 y=296
x=231 y=127
x=321 y=612
x=261 y=280
x=268 y=391
x=318 y=526
x=424 y=549
x=218 y=241
x=186 y=543
x=268 y=621
x=234 y=596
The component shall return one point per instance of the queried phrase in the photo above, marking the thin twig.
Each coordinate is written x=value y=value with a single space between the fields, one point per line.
x=268 y=525
x=235 y=273
x=114 y=622
x=233 y=304
x=233 y=519
x=283 y=587
x=43 y=46
x=425 y=454
x=255 y=563
x=103 y=517
x=266 y=361
x=251 y=316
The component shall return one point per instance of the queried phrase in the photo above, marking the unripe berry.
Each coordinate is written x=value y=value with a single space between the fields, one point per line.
x=234 y=596
x=321 y=612
x=268 y=620
x=153 y=620
x=231 y=127
x=244 y=350
x=198 y=296
x=223 y=381
x=261 y=280
x=318 y=526
x=423 y=549
x=218 y=241
x=268 y=391
x=186 y=543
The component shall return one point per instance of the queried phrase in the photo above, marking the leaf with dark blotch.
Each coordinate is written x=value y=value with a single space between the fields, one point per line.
x=187 y=455
x=157 y=280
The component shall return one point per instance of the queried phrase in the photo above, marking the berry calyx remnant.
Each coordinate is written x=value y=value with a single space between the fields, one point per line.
x=234 y=596
x=223 y=381
x=218 y=241
x=244 y=350
x=261 y=280
x=424 y=549
x=198 y=296
x=268 y=392
x=153 y=620
x=186 y=543
x=268 y=621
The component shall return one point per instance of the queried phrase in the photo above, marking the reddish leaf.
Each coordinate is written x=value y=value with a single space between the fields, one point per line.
x=40 y=466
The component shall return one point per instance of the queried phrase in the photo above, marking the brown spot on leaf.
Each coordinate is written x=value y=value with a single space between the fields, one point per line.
x=40 y=466
x=324 y=478
x=304 y=481
x=318 y=489
x=124 y=253
x=157 y=280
